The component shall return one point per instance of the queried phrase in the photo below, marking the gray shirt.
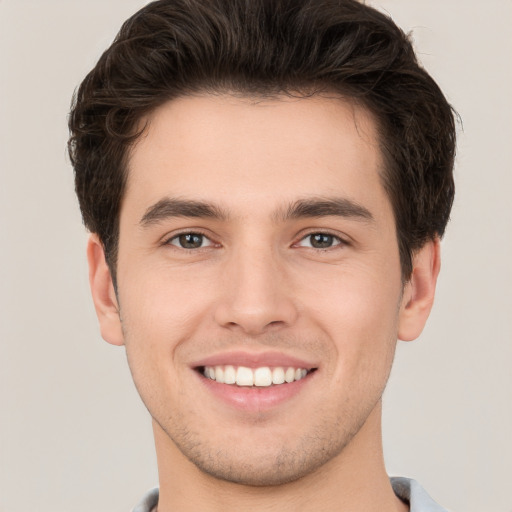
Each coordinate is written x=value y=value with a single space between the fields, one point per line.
x=406 y=489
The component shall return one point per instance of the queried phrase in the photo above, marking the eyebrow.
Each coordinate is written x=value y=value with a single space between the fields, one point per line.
x=303 y=208
x=170 y=207
x=325 y=207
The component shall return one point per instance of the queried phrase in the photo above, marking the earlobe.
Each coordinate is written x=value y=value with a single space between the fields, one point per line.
x=419 y=292
x=103 y=293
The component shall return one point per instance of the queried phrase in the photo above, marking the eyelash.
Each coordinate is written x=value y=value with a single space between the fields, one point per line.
x=339 y=241
x=204 y=237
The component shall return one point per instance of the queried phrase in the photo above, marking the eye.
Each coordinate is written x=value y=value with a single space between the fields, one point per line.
x=320 y=241
x=190 y=241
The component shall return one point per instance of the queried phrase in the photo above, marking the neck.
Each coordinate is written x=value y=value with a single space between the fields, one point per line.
x=354 y=480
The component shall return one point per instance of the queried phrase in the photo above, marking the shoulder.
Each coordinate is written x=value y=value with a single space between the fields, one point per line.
x=406 y=489
x=148 y=502
x=413 y=493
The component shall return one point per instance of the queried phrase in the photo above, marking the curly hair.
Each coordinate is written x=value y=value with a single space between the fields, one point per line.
x=266 y=48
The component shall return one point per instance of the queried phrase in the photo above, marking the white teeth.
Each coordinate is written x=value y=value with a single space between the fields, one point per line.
x=289 y=375
x=260 y=377
x=229 y=375
x=244 y=376
x=278 y=376
x=219 y=374
x=300 y=373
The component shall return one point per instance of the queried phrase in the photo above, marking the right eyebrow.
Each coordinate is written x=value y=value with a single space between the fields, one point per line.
x=167 y=208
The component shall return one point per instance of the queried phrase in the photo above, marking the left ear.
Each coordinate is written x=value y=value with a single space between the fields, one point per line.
x=419 y=291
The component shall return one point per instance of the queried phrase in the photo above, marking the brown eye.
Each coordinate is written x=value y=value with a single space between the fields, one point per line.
x=190 y=241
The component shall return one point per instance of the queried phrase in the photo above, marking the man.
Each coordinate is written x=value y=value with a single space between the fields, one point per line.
x=266 y=183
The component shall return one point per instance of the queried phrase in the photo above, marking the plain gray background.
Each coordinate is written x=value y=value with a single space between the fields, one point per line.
x=74 y=435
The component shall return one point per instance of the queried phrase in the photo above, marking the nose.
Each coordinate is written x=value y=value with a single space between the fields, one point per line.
x=256 y=295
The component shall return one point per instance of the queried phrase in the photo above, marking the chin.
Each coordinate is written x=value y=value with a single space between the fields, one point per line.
x=263 y=464
x=283 y=469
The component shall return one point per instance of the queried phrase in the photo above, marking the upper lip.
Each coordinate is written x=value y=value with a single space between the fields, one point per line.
x=254 y=360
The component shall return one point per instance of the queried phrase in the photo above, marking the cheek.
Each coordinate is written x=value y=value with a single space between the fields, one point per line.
x=163 y=302
x=160 y=311
x=359 y=313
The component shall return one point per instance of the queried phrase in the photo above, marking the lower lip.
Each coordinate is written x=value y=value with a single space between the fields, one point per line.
x=255 y=399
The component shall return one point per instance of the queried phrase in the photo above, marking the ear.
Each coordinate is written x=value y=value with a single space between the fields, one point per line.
x=418 y=295
x=103 y=293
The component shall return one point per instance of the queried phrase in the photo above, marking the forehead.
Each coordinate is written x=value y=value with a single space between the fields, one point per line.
x=239 y=151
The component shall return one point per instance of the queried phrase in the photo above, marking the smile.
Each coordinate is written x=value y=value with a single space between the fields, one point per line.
x=254 y=382
x=263 y=376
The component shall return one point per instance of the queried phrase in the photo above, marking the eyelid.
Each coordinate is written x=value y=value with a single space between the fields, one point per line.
x=342 y=240
x=167 y=239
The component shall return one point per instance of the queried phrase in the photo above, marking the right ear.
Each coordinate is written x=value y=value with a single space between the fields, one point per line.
x=103 y=293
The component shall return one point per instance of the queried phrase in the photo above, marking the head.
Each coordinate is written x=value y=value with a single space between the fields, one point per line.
x=267 y=182
x=265 y=49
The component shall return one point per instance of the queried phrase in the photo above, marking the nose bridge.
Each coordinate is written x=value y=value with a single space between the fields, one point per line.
x=256 y=293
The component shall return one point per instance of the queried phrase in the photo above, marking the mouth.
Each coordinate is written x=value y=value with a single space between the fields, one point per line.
x=260 y=377
x=254 y=383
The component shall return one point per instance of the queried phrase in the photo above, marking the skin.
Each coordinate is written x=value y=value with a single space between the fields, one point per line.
x=258 y=284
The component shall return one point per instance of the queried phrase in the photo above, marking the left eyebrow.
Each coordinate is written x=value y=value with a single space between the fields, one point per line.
x=325 y=207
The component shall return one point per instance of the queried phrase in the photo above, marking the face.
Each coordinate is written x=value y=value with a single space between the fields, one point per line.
x=259 y=284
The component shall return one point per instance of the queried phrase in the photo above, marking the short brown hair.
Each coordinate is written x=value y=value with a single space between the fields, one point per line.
x=171 y=48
